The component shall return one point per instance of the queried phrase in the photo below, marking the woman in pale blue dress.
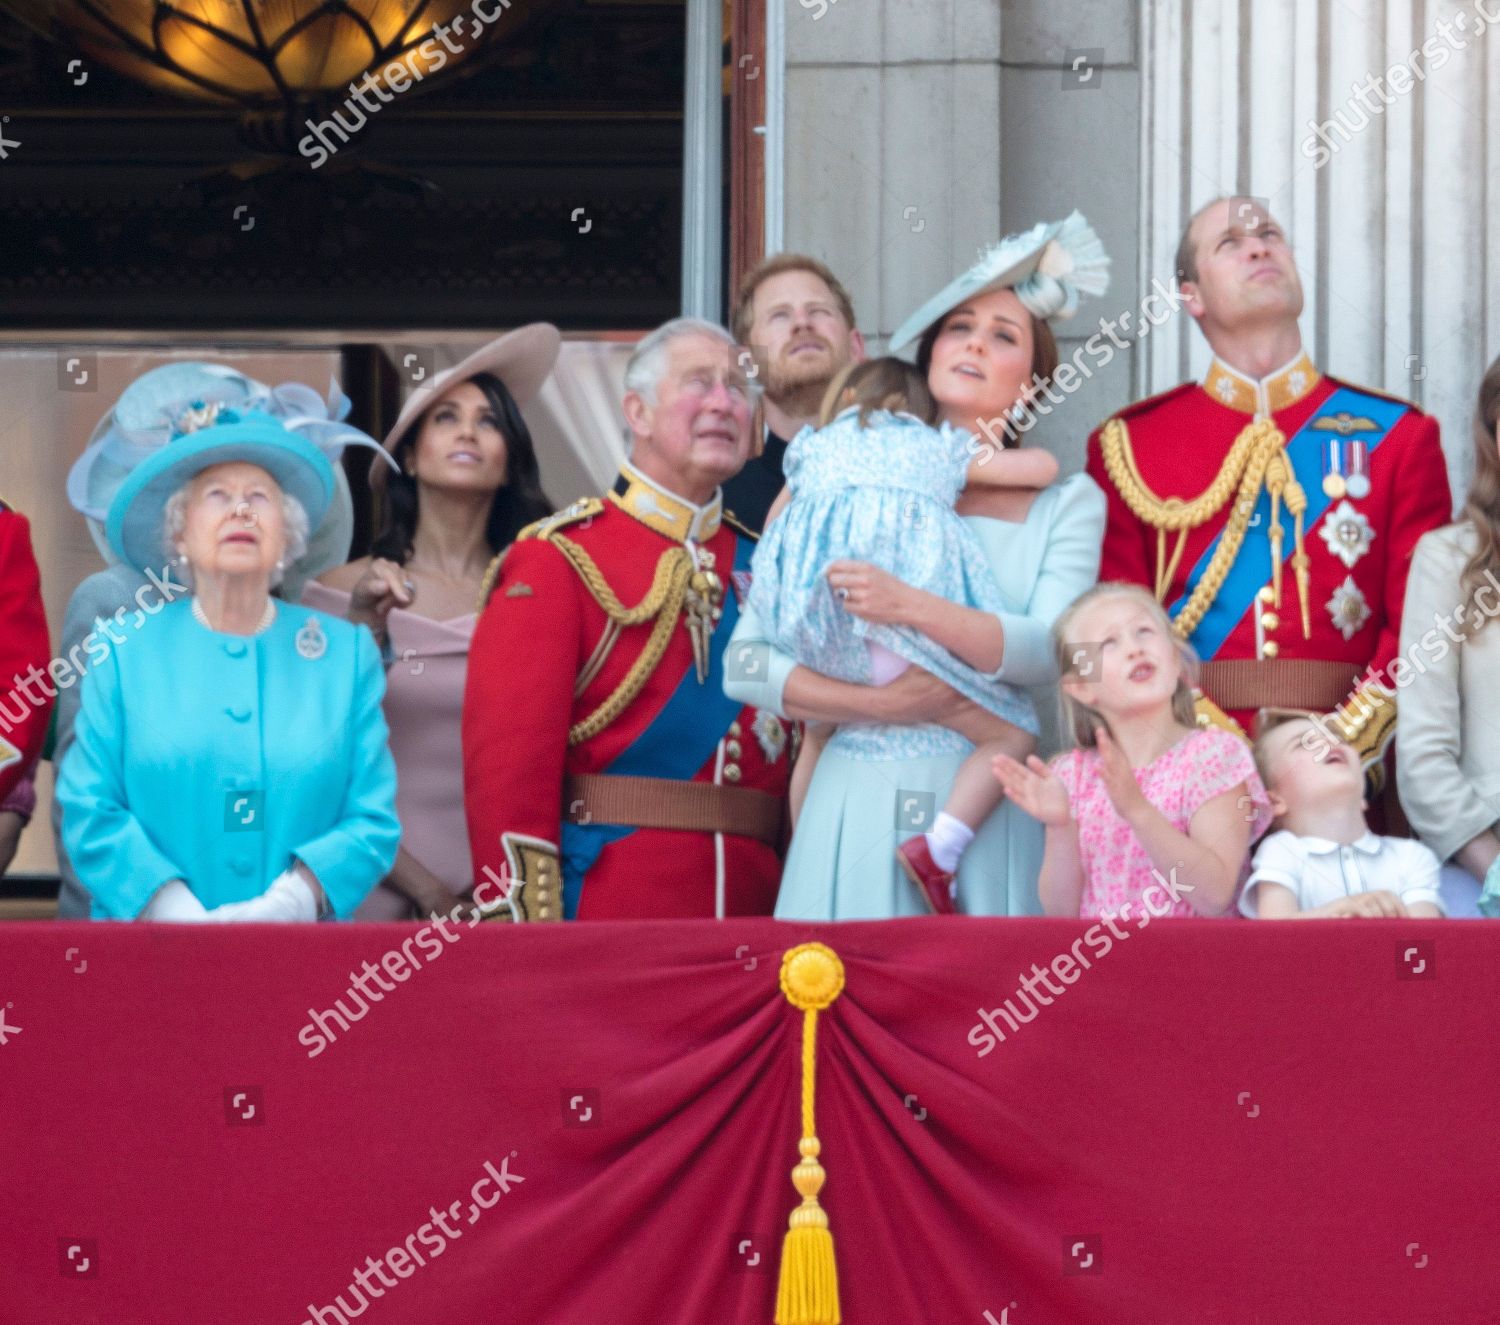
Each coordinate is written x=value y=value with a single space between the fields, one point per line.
x=986 y=347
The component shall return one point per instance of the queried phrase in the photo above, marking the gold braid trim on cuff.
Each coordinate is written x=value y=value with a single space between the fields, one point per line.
x=1367 y=720
x=535 y=885
x=1256 y=459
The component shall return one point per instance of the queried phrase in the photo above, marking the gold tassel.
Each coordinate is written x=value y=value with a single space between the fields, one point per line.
x=812 y=976
x=1276 y=536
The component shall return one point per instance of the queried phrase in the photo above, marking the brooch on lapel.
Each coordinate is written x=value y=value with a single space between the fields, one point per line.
x=311 y=642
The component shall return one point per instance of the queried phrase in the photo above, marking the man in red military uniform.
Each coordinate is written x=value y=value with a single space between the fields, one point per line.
x=606 y=774
x=1271 y=507
x=26 y=692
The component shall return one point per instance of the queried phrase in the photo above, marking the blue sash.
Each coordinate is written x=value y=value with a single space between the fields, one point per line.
x=1252 y=566
x=676 y=744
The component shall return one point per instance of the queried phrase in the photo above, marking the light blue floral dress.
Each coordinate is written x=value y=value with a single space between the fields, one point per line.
x=883 y=493
x=875 y=785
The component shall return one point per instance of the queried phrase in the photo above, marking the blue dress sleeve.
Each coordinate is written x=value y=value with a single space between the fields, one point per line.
x=755 y=671
x=110 y=850
x=359 y=850
x=1069 y=565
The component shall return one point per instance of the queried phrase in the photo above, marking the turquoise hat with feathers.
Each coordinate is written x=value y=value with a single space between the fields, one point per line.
x=1051 y=267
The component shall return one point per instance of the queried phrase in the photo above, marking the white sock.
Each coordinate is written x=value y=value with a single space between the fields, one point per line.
x=948 y=840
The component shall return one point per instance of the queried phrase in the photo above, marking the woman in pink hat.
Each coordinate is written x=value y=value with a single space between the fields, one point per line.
x=467 y=484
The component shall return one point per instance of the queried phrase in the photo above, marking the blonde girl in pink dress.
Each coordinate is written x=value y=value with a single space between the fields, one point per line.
x=1151 y=814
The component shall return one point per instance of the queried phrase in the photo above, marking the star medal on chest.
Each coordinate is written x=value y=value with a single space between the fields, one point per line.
x=771 y=734
x=1348 y=608
x=1347 y=532
x=702 y=608
x=311 y=642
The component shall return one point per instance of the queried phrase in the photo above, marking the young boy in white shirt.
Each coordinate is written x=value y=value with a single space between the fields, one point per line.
x=1323 y=860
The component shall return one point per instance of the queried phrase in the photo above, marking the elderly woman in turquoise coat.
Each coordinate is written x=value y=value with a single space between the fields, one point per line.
x=230 y=757
x=985 y=344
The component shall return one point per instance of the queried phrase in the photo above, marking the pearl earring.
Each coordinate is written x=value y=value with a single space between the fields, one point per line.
x=182 y=558
x=281 y=564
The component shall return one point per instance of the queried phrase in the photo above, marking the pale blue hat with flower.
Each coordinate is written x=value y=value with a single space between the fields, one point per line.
x=1050 y=267
x=176 y=404
x=133 y=524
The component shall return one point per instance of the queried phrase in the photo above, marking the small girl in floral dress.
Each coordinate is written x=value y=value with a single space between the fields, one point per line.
x=1151 y=814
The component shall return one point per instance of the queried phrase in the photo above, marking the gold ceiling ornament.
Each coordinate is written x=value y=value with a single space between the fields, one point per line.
x=257 y=54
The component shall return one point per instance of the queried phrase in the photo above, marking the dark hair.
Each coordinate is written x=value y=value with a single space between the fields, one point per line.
x=885 y=383
x=516 y=504
x=1044 y=356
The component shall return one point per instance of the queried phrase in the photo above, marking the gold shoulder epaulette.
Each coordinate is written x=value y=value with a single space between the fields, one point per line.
x=585 y=508
x=582 y=509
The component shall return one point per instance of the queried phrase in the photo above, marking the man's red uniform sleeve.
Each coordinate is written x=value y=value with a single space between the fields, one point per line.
x=1421 y=501
x=23 y=645
x=518 y=704
x=1124 y=555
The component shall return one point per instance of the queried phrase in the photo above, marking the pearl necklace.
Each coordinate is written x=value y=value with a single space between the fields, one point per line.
x=266 y=617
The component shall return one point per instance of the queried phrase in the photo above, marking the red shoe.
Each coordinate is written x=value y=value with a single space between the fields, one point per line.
x=935 y=884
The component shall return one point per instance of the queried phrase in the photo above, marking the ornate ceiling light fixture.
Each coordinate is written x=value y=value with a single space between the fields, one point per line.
x=275 y=59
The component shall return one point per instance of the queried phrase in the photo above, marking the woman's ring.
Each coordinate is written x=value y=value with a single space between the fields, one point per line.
x=842 y=593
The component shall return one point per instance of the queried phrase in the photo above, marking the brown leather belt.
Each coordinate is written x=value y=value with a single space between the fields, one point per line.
x=694 y=807
x=1284 y=683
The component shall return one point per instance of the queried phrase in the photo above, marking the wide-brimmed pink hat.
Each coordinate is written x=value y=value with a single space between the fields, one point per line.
x=522 y=359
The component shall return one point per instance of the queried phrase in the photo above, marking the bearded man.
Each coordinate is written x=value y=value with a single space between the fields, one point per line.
x=798 y=321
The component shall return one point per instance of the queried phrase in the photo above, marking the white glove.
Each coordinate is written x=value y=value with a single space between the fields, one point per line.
x=175 y=901
x=289 y=898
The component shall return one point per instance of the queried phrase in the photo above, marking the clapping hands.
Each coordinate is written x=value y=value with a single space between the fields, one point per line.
x=1035 y=788
x=1124 y=791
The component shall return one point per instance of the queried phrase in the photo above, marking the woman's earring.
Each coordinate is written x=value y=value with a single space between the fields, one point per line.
x=281 y=563
x=182 y=558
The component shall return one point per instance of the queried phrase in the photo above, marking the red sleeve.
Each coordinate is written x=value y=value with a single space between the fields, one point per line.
x=1124 y=553
x=518 y=703
x=23 y=646
x=1420 y=502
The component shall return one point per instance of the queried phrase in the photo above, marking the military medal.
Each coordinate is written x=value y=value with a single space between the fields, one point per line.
x=1334 y=484
x=1358 y=467
x=1347 y=533
x=1348 y=608
x=311 y=642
